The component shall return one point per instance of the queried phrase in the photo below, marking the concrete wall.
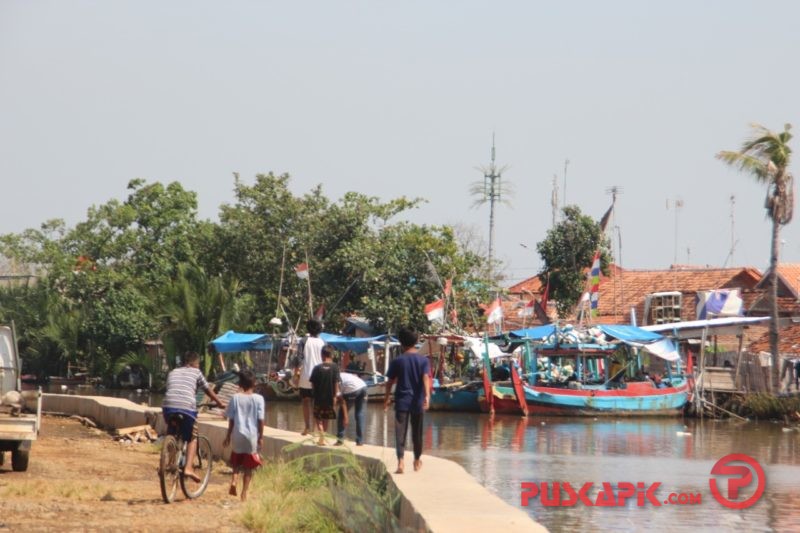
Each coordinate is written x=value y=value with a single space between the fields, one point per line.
x=441 y=497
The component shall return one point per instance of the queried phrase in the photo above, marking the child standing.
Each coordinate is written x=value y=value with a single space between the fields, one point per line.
x=245 y=414
x=325 y=386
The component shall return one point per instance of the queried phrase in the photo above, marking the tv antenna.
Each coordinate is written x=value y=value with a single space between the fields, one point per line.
x=554 y=199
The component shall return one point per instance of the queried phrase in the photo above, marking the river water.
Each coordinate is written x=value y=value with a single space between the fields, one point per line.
x=505 y=452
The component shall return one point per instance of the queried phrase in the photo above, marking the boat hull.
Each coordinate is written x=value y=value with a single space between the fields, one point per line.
x=637 y=399
x=461 y=399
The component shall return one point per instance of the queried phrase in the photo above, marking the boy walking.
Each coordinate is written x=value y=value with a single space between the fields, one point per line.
x=411 y=374
x=325 y=386
x=245 y=414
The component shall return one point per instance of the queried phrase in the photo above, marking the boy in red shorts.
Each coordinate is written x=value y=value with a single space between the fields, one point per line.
x=245 y=414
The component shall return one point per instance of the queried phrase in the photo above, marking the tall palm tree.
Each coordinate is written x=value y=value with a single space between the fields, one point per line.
x=766 y=156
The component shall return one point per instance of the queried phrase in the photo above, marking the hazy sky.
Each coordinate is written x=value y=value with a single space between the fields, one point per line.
x=401 y=98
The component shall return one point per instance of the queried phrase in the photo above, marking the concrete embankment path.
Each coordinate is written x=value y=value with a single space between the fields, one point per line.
x=441 y=497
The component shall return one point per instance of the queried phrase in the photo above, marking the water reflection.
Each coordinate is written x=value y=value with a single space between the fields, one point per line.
x=504 y=452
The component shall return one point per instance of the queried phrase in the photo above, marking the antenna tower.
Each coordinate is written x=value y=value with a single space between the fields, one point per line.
x=554 y=199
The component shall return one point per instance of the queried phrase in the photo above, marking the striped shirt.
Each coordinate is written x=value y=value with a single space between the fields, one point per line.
x=182 y=386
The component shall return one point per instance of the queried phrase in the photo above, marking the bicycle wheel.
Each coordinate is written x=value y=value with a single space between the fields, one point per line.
x=168 y=468
x=201 y=467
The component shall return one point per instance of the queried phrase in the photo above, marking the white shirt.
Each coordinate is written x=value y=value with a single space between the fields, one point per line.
x=312 y=356
x=351 y=383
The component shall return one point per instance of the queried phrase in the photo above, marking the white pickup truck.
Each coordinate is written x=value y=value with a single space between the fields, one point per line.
x=18 y=428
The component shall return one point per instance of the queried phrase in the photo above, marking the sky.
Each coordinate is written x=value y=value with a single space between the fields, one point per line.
x=403 y=99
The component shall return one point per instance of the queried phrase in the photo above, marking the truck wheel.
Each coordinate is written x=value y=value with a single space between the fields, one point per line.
x=19 y=460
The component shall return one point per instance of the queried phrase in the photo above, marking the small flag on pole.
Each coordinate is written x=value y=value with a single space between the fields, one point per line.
x=448 y=287
x=435 y=311
x=595 y=294
x=527 y=310
x=301 y=270
x=320 y=312
x=494 y=312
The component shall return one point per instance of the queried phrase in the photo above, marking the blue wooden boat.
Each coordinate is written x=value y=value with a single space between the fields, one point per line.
x=593 y=385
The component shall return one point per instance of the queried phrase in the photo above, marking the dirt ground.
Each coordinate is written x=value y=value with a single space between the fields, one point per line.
x=81 y=479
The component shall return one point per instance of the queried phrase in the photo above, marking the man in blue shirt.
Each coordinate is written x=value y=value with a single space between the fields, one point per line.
x=410 y=374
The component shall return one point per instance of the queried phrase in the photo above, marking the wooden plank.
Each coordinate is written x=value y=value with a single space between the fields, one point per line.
x=133 y=429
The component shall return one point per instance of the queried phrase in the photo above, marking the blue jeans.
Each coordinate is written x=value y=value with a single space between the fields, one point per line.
x=358 y=399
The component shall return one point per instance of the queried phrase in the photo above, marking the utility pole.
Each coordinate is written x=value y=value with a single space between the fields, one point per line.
x=615 y=190
x=733 y=234
x=554 y=199
x=566 y=164
x=677 y=204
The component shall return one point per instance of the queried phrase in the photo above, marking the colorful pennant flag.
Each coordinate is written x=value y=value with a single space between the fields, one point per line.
x=494 y=312
x=435 y=310
x=595 y=294
x=301 y=270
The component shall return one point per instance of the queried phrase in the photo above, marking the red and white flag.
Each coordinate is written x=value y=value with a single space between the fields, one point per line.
x=320 y=312
x=301 y=270
x=494 y=312
x=448 y=287
x=435 y=310
x=527 y=310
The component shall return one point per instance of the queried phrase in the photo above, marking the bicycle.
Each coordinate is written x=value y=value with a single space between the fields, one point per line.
x=173 y=461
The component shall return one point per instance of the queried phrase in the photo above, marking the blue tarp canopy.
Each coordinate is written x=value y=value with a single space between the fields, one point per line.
x=540 y=332
x=630 y=333
x=231 y=341
x=352 y=344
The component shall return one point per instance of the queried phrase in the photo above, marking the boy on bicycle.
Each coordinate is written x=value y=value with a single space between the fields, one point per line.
x=181 y=398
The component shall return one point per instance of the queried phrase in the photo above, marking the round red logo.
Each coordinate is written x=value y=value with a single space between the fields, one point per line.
x=741 y=476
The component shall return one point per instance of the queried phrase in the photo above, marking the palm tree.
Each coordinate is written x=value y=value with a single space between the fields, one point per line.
x=196 y=309
x=766 y=157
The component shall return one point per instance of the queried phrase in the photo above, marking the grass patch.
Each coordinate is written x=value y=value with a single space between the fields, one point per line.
x=321 y=492
x=766 y=406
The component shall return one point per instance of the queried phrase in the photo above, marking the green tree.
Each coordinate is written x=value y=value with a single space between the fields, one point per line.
x=567 y=251
x=766 y=156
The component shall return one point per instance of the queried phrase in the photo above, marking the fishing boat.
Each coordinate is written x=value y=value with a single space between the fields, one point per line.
x=592 y=372
x=455 y=362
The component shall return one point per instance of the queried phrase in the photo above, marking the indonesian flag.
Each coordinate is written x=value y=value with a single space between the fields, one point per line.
x=528 y=309
x=448 y=287
x=435 y=310
x=320 y=312
x=301 y=270
x=494 y=312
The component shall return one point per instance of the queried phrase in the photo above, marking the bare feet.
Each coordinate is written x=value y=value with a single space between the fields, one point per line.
x=305 y=432
x=191 y=475
x=321 y=442
x=400 y=467
x=417 y=465
x=232 y=490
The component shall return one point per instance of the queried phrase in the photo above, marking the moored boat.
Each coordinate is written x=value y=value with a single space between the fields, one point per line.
x=595 y=372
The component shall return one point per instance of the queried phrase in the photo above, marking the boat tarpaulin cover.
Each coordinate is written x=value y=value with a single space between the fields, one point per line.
x=539 y=332
x=231 y=341
x=353 y=344
x=652 y=342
